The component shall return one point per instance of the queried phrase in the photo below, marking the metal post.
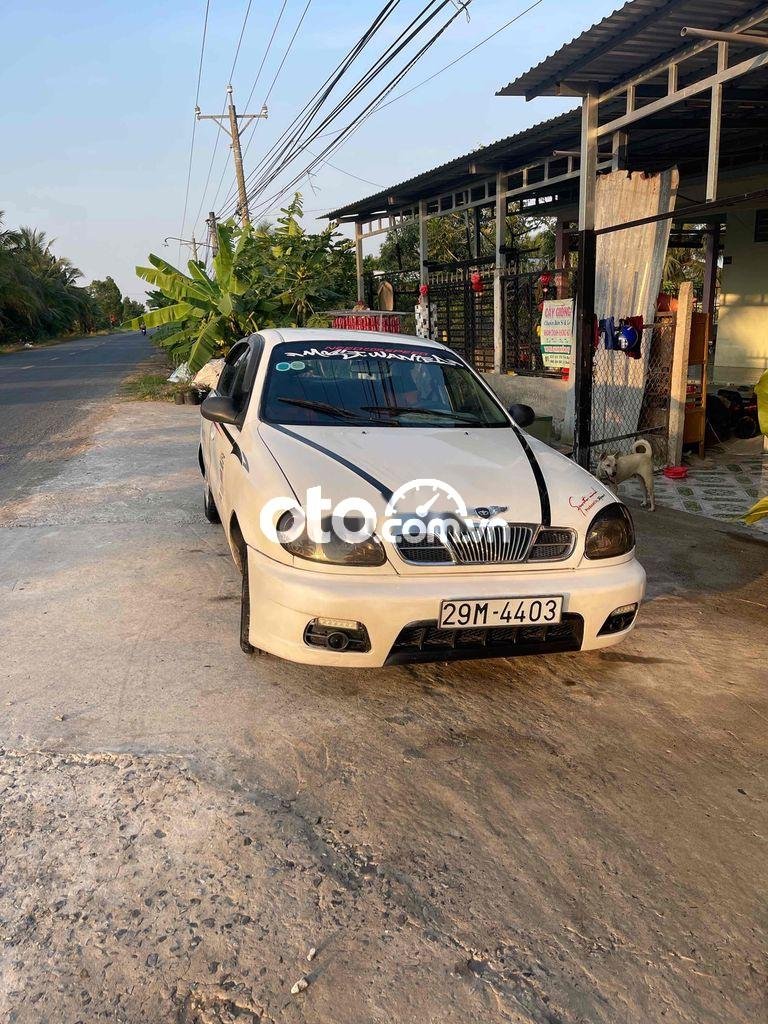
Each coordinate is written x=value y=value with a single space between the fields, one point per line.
x=498 y=275
x=476 y=240
x=585 y=289
x=619 y=151
x=715 y=126
x=423 y=246
x=359 y=261
x=562 y=258
x=711 y=254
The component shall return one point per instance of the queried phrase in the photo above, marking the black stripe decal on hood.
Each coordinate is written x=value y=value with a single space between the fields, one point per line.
x=541 y=483
x=383 y=490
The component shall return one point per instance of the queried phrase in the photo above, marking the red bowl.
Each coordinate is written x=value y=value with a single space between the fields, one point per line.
x=676 y=472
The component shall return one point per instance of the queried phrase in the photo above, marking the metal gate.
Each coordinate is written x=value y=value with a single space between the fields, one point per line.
x=523 y=296
x=462 y=312
x=631 y=397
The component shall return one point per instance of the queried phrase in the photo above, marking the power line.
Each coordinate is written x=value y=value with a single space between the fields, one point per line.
x=266 y=53
x=466 y=53
x=274 y=80
x=194 y=123
x=416 y=27
x=310 y=108
x=250 y=96
x=382 y=105
x=223 y=111
x=366 y=181
x=298 y=141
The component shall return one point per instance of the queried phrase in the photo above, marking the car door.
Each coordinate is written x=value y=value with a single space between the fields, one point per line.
x=223 y=438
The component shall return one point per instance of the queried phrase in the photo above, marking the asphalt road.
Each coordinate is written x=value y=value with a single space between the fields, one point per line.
x=49 y=402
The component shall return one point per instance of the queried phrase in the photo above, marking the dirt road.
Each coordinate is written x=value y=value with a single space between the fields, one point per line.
x=565 y=839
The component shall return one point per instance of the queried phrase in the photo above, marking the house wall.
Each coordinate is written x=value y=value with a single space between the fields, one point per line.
x=741 y=353
x=545 y=395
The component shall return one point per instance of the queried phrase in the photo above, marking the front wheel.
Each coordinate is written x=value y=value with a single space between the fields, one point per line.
x=245 y=608
x=209 y=507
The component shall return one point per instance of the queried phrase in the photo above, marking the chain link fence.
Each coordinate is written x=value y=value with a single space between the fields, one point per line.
x=631 y=396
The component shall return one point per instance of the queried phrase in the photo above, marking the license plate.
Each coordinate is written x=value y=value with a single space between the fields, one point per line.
x=501 y=611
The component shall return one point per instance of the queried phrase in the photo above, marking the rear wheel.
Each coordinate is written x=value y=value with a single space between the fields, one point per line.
x=209 y=507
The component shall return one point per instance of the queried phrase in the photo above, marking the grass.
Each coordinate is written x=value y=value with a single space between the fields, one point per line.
x=149 y=387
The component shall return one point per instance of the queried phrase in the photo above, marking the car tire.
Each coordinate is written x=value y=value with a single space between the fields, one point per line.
x=209 y=507
x=245 y=608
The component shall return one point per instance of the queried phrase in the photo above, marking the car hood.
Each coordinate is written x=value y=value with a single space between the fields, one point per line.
x=488 y=468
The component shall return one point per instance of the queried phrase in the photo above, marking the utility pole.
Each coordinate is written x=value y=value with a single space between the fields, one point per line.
x=233 y=131
x=191 y=242
x=213 y=241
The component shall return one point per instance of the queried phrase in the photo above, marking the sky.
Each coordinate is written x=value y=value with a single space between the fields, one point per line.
x=98 y=101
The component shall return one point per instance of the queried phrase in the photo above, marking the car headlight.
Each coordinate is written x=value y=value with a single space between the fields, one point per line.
x=333 y=551
x=611 y=533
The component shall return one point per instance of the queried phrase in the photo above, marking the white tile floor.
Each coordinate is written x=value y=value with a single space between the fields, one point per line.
x=723 y=485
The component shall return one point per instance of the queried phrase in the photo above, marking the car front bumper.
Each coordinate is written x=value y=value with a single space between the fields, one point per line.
x=284 y=600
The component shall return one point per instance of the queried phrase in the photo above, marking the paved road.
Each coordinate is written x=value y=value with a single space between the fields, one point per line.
x=48 y=401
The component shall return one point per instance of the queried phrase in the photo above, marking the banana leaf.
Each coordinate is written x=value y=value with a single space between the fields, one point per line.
x=158 y=317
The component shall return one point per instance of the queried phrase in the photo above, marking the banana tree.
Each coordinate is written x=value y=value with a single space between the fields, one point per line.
x=208 y=313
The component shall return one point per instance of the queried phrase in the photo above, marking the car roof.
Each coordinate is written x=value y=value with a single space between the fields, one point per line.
x=277 y=335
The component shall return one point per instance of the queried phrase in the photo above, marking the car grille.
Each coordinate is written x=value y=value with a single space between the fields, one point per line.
x=497 y=546
x=425 y=641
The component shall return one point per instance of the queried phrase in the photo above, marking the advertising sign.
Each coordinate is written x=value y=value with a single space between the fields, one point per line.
x=557 y=333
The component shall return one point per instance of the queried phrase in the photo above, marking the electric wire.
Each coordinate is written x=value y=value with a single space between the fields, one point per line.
x=296 y=142
x=292 y=149
x=311 y=107
x=318 y=98
x=194 y=124
x=384 y=103
x=223 y=112
x=415 y=28
x=461 y=56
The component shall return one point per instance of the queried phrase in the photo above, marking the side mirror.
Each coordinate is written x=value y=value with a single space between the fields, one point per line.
x=219 y=409
x=523 y=415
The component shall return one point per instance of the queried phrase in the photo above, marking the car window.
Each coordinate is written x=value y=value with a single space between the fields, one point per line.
x=232 y=380
x=386 y=385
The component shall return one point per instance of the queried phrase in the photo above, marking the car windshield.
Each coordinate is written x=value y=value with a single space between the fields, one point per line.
x=382 y=385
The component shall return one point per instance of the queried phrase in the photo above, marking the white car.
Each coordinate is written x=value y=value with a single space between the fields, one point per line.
x=383 y=508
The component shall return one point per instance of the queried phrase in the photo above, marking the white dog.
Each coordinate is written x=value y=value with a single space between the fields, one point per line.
x=615 y=469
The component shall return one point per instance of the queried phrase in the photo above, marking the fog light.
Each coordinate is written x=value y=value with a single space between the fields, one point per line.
x=619 y=620
x=337 y=635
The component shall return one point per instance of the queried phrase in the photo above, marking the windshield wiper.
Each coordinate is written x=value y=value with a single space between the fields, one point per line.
x=401 y=410
x=324 y=407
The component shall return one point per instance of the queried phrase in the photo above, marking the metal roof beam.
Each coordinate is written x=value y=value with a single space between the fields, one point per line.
x=725 y=37
x=715 y=81
x=662 y=66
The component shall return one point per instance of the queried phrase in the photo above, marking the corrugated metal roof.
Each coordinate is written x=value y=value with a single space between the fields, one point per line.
x=559 y=132
x=633 y=38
